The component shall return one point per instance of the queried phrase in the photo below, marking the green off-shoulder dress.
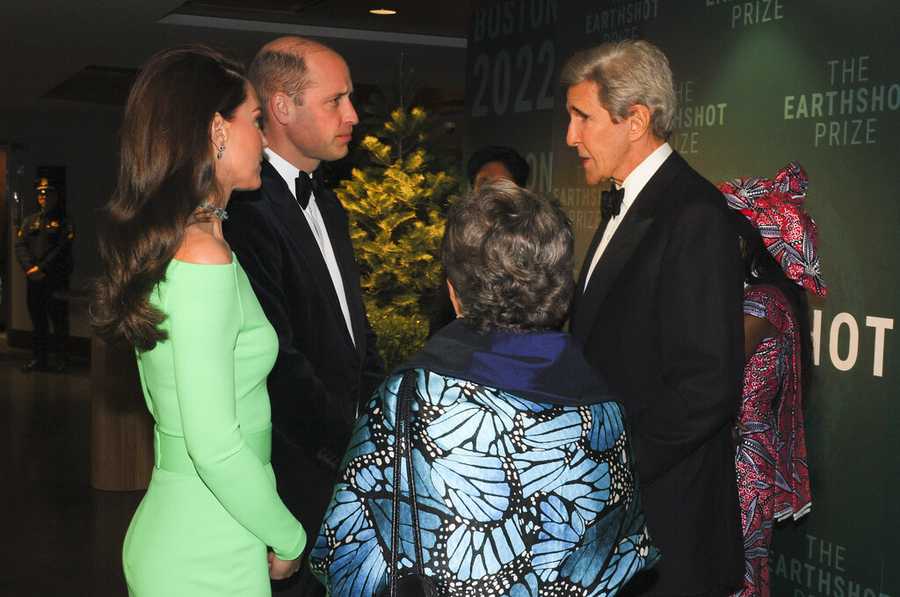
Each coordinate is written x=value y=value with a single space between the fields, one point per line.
x=211 y=509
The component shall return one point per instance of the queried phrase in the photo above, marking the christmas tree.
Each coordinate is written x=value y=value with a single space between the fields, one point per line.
x=396 y=207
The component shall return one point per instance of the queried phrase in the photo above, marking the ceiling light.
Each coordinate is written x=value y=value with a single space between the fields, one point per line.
x=383 y=11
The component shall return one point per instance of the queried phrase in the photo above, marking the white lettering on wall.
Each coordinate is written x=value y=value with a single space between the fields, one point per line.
x=821 y=570
x=845 y=114
x=513 y=17
x=845 y=344
x=843 y=363
x=541 y=164
x=757 y=12
x=531 y=68
x=881 y=325
x=690 y=116
x=816 y=336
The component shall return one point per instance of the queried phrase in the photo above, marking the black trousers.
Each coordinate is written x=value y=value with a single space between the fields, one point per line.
x=306 y=487
x=644 y=584
x=46 y=309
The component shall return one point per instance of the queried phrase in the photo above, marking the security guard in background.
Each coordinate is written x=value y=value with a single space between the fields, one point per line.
x=44 y=250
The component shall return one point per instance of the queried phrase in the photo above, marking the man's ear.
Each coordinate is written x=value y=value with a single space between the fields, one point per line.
x=639 y=120
x=280 y=107
x=218 y=131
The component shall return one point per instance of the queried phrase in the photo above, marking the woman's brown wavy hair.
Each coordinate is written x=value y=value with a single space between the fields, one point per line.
x=167 y=168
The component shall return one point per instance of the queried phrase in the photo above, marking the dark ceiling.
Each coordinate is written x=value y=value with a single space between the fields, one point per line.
x=89 y=50
x=449 y=19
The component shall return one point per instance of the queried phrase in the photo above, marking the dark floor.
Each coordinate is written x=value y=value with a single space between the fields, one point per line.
x=58 y=536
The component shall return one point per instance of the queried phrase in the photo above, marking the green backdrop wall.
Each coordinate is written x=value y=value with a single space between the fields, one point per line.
x=760 y=83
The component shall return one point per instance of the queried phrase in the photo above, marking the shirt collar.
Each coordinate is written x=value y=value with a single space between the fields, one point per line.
x=635 y=182
x=288 y=171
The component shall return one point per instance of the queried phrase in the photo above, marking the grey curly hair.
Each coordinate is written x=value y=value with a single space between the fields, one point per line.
x=628 y=72
x=508 y=254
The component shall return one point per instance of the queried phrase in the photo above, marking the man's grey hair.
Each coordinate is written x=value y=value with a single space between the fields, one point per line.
x=628 y=72
x=508 y=253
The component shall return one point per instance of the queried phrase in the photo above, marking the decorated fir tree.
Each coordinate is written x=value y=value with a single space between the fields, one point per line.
x=396 y=208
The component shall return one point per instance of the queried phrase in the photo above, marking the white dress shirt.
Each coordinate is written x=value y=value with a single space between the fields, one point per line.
x=633 y=184
x=314 y=217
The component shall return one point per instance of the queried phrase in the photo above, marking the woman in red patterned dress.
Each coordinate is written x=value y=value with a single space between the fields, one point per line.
x=778 y=241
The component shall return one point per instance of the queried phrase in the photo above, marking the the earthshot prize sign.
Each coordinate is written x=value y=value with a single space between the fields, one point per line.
x=846 y=110
x=759 y=82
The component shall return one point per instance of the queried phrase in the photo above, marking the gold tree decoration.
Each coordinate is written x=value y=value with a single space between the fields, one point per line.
x=396 y=210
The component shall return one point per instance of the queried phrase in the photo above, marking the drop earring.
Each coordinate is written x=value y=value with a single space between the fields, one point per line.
x=220 y=152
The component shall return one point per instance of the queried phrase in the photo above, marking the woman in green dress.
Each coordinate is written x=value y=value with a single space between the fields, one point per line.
x=172 y=288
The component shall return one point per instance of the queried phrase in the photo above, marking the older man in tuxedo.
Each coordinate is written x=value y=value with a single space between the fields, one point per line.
x=291 y=236
x=658 y=312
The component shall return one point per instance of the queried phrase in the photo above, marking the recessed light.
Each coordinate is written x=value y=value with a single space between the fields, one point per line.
x=383 y=11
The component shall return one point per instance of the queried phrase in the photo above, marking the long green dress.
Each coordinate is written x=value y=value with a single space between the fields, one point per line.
x=211 y=508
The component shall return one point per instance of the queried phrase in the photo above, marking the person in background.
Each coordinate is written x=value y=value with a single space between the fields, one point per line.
x=292 y=236
x=779 y=268
x=44 y=251
x=517 y=476
x=173 y=289
x=497 y=162
x=487 y=164
x=658 y=311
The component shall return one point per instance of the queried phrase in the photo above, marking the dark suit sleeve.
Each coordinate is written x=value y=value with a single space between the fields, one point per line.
x=373 y=366
x=302 y=408
x=61 y=251
x=701 y=339
x=24 y=256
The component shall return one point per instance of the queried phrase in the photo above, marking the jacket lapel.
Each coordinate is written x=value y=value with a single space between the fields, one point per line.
x=300 y=232
x=336 y=227
x=624 y=243
x=578 y=295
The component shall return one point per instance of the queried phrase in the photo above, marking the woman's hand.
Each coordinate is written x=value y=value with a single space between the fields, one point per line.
x=281 y=569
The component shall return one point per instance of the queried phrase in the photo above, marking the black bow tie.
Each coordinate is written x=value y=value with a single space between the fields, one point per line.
x=611 y=203
x=304 y=186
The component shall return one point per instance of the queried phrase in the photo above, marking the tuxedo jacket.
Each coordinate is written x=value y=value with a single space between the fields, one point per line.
x=661 y=320
x=319 y=376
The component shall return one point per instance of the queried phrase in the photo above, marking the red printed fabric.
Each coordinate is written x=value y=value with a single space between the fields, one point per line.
x=772 y=473
x=775 y=207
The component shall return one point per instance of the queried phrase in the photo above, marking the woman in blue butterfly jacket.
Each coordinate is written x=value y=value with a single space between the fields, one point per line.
x=523 y=479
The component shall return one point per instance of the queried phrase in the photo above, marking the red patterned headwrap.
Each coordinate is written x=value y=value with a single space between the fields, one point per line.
x=788 y=232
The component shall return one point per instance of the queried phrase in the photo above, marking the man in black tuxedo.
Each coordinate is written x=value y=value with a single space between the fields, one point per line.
x=291 y=236
x=658 y=312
